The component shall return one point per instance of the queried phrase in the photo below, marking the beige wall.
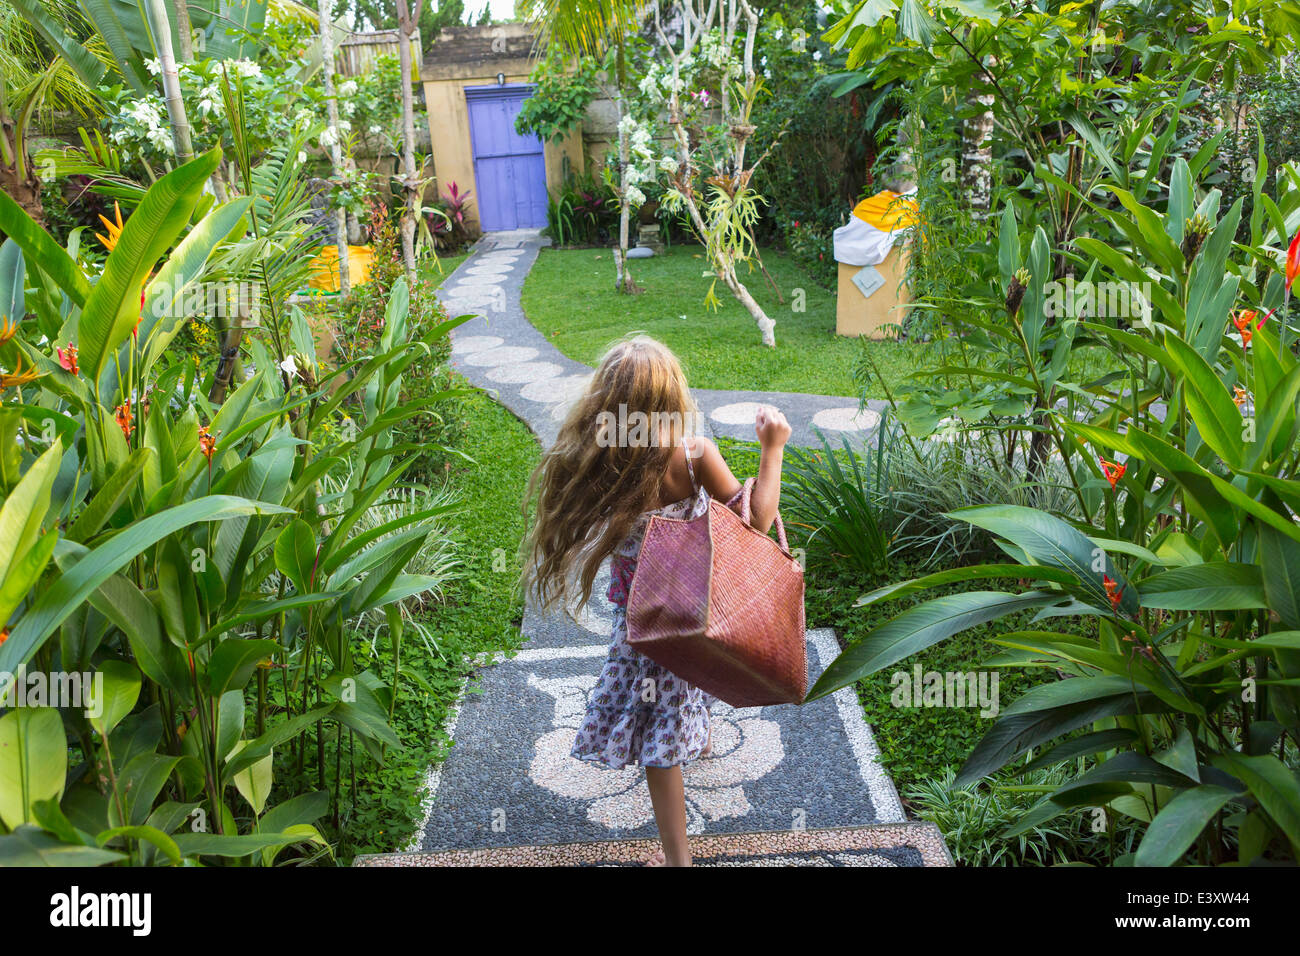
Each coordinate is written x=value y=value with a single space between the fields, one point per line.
x=474 y=56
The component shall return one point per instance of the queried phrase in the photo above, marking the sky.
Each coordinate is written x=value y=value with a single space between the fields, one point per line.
x=501 y=9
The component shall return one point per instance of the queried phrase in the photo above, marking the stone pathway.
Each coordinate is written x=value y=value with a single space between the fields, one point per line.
x=784 y=786
x=502 y=352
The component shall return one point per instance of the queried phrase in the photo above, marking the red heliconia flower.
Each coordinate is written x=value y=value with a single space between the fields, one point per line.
x=125 y=419
x=207 y=444
x=1113 y=591
x=1243 y=319
x=1113 y=471
x=1293 y=261
x=135 y=332
x=68 y=359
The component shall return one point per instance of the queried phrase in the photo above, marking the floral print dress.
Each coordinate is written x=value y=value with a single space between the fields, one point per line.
x=621 y=725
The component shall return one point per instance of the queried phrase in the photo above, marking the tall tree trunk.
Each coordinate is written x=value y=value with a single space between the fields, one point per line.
x=407 y=18
x=184 y=31
x=326 y=16
x=977 y=147
x=162 y=38
x=22 y=189
x=622 y=273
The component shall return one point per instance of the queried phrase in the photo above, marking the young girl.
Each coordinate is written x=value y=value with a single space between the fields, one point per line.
x=596 y=489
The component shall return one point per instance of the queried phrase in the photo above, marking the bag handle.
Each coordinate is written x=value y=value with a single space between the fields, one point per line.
x=746 y=490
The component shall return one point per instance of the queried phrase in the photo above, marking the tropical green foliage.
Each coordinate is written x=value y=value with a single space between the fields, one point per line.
x=1184 y=473
x=207 y=563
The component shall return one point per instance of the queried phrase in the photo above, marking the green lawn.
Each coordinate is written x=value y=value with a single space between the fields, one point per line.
x=440 y=270
x=569 y=295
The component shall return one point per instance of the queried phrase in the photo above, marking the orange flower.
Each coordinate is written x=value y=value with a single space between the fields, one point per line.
x=68 y=359
x=1113 y=591
x=1240 y=396
x=1242 y=319
x=207 y=444
x=1113 y=471
x=1293 y=261
x=124 y=419
x=7 y=330
x=4 y=636
x=19 y=376
x=114 y=229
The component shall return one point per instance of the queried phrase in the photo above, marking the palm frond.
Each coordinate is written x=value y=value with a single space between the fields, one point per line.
x=586 y=27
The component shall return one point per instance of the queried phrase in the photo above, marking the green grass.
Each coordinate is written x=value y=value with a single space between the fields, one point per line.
x=569 y=295
x=480 y=613
x=444 y=267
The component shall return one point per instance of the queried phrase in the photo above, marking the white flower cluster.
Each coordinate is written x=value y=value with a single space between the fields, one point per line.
x=210 y=102
x=329 y=138
x=641 y=161
x=142 y=119
x=243 y=68
x=657 y=85
x=717 y=53
x=346 y=90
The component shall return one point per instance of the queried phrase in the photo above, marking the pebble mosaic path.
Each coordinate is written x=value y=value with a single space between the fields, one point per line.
x=784 y=786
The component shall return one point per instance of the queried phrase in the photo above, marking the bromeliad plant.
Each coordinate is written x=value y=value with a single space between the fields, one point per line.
x=1183 y=581
x=180 y=556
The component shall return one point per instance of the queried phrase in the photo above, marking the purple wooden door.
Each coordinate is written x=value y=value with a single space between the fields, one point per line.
x=509 y=168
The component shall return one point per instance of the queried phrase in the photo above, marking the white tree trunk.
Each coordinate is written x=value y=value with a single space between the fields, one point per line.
x=406 y=20
x=326 y=17
x=171 y=81
x=977 y=148
x=623 y=275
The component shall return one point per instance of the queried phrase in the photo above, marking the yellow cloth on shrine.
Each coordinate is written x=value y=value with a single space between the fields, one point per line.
x=325 y=267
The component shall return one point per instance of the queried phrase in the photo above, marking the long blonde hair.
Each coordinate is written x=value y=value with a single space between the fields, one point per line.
x=590 y=487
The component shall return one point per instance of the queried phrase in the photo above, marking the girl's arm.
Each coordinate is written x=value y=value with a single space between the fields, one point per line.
x=718 y=480
x=773 y=432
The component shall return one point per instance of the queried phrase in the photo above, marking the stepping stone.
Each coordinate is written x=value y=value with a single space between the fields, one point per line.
x=475 y=343
x=564 y=389
x=502 y=355
x=524 y=372
x=850 y=419
x=477 y=283
x=456 y=307
x=887 y=845
x=737 y=413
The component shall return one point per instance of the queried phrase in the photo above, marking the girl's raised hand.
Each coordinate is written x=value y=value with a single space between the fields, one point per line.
x=771 y=427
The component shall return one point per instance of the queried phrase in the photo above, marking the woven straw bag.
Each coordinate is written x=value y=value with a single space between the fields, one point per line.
x=720 y=604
